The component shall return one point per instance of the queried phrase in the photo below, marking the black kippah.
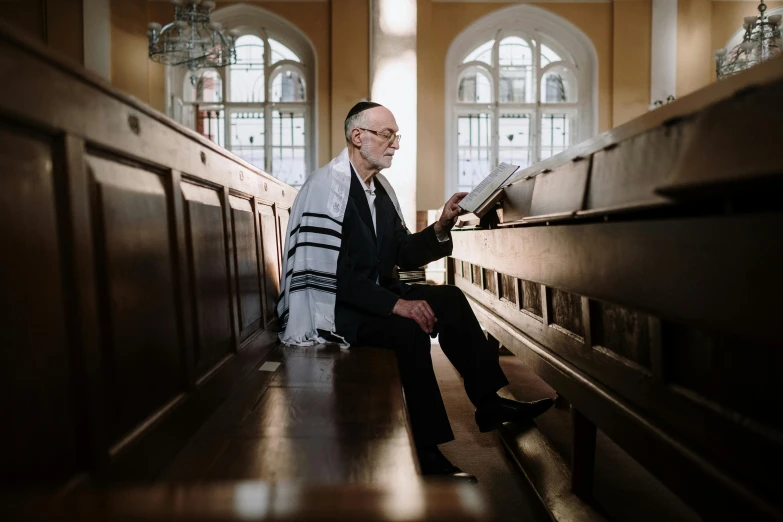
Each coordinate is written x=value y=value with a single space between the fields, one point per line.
x=361 y=107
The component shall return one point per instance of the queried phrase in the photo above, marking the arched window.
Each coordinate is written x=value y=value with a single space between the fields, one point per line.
x=517 y=92
x=261 y=108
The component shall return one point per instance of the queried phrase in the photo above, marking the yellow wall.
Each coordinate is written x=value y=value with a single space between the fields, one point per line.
x=129 y=62
x=350 y=78
x=631 y=66
x=439 y=23
x=694 y=50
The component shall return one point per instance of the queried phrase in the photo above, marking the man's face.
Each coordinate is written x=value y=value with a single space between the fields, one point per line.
x=376 y=148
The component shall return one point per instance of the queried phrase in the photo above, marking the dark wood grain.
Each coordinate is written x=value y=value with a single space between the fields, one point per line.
x=567 y=312
x=561 y=191
x=209 y=276
x=623 y=332
x=626 y=176
x=690 y=257
x=246 y=264
x=37 y=400
x=410 y=501
x=268 y=228
x=142 y=361
x=182 y=279
x=711 y=491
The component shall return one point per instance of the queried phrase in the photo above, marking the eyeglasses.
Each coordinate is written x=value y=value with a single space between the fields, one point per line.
x=385 y=135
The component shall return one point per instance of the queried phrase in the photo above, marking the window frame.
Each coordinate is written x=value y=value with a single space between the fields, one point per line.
x=536 y=26
x=249 y=20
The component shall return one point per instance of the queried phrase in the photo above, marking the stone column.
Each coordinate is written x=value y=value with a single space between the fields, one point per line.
x=663 y=67
x=97 y=37
x=393 y=84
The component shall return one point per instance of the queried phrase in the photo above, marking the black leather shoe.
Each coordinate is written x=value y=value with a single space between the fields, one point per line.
x=435 y=465
x=492 y=415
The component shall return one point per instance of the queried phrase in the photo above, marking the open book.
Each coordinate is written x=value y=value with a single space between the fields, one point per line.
x=488 y=192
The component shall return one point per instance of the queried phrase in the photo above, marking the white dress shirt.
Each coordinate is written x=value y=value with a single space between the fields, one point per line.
x=370 y=193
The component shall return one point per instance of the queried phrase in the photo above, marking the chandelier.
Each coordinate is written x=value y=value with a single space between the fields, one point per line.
x=191 y=40
x=761 y=41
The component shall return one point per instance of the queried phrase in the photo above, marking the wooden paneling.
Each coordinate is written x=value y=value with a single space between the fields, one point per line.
x=247 y=277
x=690 y=258
x=143 y=364
x=566 y=312
x=509 y=290
x=531 y=298
x=561 y=191
x=476 y=275
x=282 y=214
x=518 y=197
x=710 y=365
x=36 y=397
x=623 y=332
x=737 y=167
x=269 y=241
x=490 y=281
x=126 y=275
x=209 y=275
x=627 y=175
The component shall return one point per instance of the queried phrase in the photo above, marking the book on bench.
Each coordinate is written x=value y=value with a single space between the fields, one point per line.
x=484 y=196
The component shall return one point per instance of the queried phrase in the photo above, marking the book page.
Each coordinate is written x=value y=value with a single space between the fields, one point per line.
x=487 y=187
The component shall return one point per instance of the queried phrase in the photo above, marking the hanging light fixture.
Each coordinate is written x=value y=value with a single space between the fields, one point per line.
x=192 y=40
x=760 y=42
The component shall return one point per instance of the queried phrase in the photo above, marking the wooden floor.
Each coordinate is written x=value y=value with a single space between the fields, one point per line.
x=333 y=416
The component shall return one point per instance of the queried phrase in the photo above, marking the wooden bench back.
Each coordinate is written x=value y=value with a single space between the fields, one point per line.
x=138 y=260
x=640 y=275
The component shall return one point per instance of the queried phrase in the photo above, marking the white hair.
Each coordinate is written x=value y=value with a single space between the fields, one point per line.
x=358 y=120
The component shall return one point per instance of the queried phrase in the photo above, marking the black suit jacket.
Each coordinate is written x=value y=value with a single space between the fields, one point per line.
x=366 y=257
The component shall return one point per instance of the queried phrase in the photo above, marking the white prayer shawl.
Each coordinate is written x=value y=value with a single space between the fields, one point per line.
x=308 y=285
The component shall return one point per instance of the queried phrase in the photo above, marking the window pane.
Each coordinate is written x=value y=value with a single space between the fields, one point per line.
x=247 y=136
x=516 y=71
x=474 y=150
x=548 y=56
x=288 y=147
x=204 y=87
x=558 y=85
x=209 y=87
x=482 y=53
x=555 y=134
x=516 y=85
x=247 y=75
x=514 y=139
x=281 y=52
x=288 y=86
x=515 y=52
x=211 y=123
x=474 y=87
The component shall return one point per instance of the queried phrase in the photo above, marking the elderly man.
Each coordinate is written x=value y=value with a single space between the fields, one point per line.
x=353 y=239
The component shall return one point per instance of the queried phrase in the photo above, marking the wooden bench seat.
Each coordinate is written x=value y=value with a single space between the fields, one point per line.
x=326 y=415
x=261 y=501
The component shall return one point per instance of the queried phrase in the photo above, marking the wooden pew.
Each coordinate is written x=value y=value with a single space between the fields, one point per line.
x=141 y=268
x=639 y=275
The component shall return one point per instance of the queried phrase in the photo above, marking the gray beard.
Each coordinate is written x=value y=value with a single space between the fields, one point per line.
x=376 y=163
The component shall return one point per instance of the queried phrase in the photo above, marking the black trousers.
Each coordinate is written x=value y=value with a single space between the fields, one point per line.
x=463 y=343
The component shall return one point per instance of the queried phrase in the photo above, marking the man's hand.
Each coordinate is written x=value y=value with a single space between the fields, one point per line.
x=450 y=212
x=419 y=311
